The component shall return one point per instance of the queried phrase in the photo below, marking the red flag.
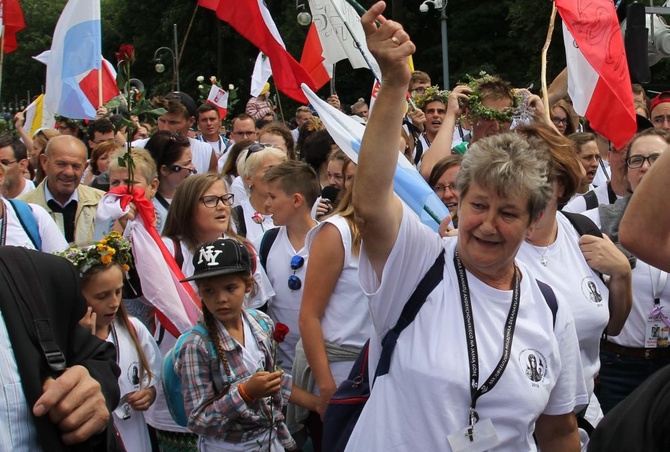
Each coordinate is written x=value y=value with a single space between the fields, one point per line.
x=219 y=98
x=312 y=58
x=252 y=20
x=598 y=78
x=89 y=84
x=12 y=19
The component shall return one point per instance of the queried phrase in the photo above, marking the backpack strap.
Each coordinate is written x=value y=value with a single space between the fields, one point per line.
x=214 y=361
x=427 y=284
x=611 y=196
x=238 y=218
x=28 y=222
x=549 y=297
x=591 y=200
x=178 y=255
x=583 y=224
x=266 y=244
x=18 y=263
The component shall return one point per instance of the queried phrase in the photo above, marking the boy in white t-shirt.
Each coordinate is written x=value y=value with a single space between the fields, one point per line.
x=292 y=190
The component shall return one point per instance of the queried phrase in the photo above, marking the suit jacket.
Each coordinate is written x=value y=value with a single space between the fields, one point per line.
x=87 y=206
x=66 y=306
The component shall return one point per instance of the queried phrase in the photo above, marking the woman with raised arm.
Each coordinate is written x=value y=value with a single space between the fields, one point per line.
x=488 y=315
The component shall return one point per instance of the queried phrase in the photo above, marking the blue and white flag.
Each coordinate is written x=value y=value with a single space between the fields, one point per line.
x=75 y=53
x=408 y=183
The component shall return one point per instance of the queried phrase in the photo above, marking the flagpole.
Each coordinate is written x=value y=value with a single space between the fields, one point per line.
x=358 y=44
x=100 y=85
x=2 y=55
x=332 y=82
x=281 y=111
x=545 y=49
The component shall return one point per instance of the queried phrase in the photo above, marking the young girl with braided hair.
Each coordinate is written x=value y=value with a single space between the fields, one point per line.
x=247 y=414
x=102 y=266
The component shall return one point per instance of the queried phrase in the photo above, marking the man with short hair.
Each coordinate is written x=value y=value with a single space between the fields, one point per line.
x=419 y=82
x=71 y=204
x=302 y=114
x=660 y=111
x=180 y=116
x=209 y=123
x=100 y=131
x=14 y=156
x=243 y=128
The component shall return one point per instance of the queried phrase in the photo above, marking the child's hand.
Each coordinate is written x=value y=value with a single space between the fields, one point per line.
x=141 y=400
x=323 y=208
x=88 y=321
x=263 y=384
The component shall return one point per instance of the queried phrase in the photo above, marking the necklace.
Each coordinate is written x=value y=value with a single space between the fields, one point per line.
x=543 y=259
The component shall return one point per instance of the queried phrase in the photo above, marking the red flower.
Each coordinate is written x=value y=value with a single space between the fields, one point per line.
x=126 y=53
x=280 y=333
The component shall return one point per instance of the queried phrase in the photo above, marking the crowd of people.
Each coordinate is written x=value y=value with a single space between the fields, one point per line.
x=547 y=326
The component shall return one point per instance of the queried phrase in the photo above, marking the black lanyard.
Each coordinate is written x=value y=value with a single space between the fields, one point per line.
x=3 y=230
x=477 y=391
x=162 y=201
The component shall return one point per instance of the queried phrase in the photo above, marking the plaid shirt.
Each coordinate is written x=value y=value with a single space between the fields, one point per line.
x=228 y=417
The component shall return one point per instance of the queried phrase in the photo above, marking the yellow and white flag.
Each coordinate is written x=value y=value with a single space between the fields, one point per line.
x=37 y=117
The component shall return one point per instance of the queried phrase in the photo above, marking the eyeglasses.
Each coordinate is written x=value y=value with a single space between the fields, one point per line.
x=637 y=161
x=7 y=162
x=245 y=134
x=558 y=121
x=294 y=282
x=419 y=90
x=256 y=147
x=178 y=168
x=439 y=189
x=212 y=201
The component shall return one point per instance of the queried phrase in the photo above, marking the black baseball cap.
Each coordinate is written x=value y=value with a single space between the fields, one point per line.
x=220 y=257
x=184 y=99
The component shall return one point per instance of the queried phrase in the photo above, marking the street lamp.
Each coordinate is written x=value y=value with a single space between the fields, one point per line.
x=160 y=67
x=442 y=6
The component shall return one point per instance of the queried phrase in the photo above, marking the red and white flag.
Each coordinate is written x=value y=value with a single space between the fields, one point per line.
x=252 y=20
x=598 y=79
x=11 y=22
x=312 y=59
x=219 y=98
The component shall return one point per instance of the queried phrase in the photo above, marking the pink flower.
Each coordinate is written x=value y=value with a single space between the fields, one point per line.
x=257 y=218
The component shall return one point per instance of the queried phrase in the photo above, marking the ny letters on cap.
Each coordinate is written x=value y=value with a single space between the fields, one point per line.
x=220 y=257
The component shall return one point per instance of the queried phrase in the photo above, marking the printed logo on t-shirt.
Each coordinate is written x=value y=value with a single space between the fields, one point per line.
x=590 y=290
x=534 y=365
x=133 y=374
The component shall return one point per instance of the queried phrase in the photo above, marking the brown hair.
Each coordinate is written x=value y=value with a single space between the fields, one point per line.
x=107 y=147
x=230 y=167
x=565 y=167
x=345 y=209
x=179 y=222
x=122 y=315
x=295 y=177
x=279 y=129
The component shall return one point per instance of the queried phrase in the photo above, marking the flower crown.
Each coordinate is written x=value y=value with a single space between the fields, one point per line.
x=111 y=249
x=432 y=94
x=478 y=110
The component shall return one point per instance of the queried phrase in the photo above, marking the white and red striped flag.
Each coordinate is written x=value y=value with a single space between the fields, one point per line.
x=252 y=19
x=219 y=98
x=598 y=79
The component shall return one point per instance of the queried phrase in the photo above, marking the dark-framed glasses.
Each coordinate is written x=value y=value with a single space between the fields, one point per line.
x=558 y=121
x=439 y=189
x=178 y=168
x=212 y=201
x=7 y=162
x=636 y=161
x=294 y=282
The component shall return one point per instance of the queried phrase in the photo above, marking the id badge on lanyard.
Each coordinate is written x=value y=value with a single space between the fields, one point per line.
x=658 y=324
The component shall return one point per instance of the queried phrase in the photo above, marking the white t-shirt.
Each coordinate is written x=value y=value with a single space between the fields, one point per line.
x=29 y=186
x=201 y=153
x=346 y=320
x=237 y=188
x=426 y=395
x=645 y=281
x=284 y=307
x=601 y=177
x=50 y=235
x=587 y=295
x=133 y=430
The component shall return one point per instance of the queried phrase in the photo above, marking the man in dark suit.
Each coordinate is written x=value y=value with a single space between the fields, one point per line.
x=68 y=410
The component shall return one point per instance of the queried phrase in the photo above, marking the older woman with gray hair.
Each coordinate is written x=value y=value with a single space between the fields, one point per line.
x=250 y=216
x=491 y=361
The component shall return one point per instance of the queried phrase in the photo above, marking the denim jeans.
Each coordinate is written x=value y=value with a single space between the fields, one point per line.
x=620 y=375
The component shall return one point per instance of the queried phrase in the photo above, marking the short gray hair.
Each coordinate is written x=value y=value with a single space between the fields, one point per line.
x=254 y=162
x=511 y=166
